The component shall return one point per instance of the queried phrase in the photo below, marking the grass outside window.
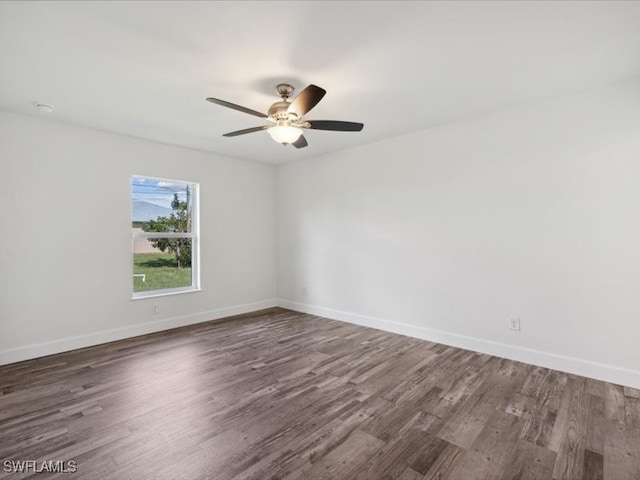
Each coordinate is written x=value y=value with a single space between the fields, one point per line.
x=160 y=272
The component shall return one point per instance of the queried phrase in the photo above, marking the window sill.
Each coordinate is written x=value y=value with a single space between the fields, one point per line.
x=163 y=293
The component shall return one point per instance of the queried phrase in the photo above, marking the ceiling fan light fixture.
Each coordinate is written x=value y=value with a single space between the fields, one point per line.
x=284 y=133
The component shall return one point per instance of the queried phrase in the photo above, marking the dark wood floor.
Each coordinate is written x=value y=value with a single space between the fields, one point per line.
x=282 y=395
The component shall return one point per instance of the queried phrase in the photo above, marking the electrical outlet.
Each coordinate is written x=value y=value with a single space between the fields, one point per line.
x=155 y=309
x=514 y=324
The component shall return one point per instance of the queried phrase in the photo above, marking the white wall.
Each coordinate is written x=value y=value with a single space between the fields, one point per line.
x=65 y=249
x=447 y=233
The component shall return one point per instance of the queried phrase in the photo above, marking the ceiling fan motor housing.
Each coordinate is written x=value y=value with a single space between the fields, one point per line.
x=279 y=110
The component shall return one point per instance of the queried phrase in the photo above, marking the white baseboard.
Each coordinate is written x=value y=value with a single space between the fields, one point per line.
x=576 y=366
x=71 y=343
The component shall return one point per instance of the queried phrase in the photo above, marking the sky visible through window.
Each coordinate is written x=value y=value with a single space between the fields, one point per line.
x=157 y=192
x=152 y=197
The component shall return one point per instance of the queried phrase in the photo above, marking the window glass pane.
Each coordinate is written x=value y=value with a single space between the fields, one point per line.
x=161 y=205
x=161 y=263
x=165 y=263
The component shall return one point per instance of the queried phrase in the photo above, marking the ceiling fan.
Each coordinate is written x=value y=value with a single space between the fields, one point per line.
x=287 y=117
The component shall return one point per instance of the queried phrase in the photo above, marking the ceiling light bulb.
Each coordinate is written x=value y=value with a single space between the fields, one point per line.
x=284 y=133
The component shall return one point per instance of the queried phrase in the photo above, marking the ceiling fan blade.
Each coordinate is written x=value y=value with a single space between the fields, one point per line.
x=335 y=125
x=233 y=106
x=246 y=130
x=306 y=100
x=301 y=142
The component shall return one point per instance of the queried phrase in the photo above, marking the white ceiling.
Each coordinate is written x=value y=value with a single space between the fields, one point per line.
x=144 y=68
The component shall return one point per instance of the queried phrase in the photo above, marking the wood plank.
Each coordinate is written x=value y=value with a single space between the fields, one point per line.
x=621 y=452
x=444 y=463
x=570 y=460
x=347 y=457
x=529 y=462
x=593 y=466
x=498 y=438
x=595 y=387
x=614 y=403
x=473 y=465
x=595 y=425
x=631 y=392
x=410 y=474
x=632 y=411
x=559 y=426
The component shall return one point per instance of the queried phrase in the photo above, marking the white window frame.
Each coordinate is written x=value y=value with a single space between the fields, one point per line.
x=194 y=235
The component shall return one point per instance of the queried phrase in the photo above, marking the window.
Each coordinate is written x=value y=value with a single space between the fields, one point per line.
x=164 y=226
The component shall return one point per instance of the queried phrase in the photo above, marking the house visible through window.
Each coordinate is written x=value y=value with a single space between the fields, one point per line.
x=165 y=236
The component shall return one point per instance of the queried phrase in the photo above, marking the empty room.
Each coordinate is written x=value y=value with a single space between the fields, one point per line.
x=320 y=240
